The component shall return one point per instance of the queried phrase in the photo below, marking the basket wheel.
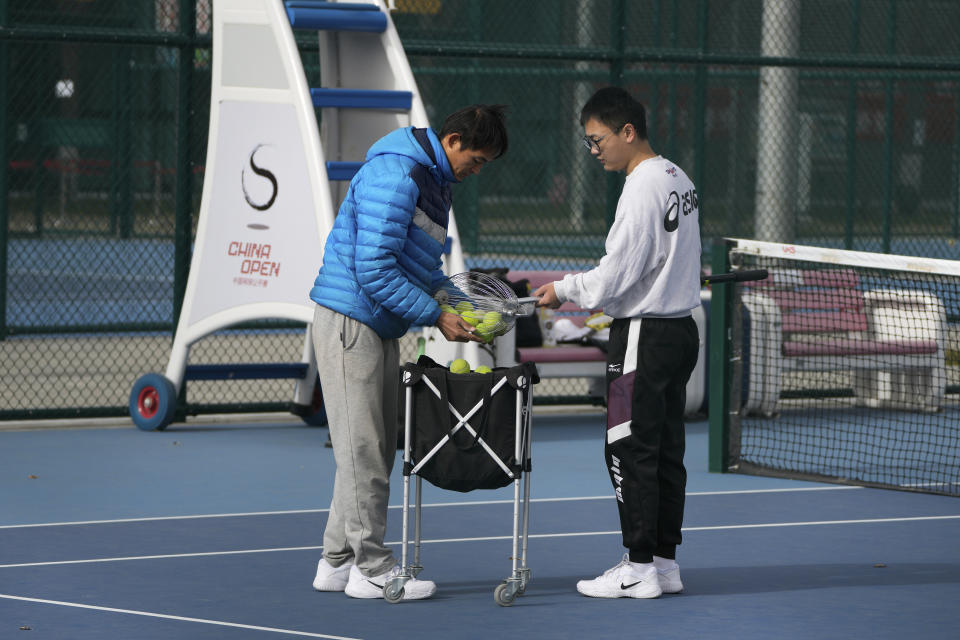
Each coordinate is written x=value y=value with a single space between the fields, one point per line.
x=524 y=579
x=504 y=594
x=393 y=591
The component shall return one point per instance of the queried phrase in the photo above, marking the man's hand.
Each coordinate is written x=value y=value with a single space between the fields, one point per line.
x=455 y=329
x=548 y=296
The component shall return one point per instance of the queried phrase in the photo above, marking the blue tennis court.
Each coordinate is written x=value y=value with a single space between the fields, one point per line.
x=213 y=530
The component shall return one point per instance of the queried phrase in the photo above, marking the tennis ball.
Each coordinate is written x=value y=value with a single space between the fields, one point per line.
x=492 y=318
x=459 y=366
x=464 y=305
x=486 y=331
x=483 y=369
x=470 y=317
x=447 y=308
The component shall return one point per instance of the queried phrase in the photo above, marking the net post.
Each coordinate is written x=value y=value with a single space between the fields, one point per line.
x=718 y=359
x=4 y=167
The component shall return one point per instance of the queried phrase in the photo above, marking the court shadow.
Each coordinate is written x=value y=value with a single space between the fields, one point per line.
x=186 y=427
x=588 y=426
x=545 y=586
x=743 y=580
x=566 y=427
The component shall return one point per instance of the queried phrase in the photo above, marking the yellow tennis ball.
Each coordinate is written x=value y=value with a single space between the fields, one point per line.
x=470 y=317
x=483 y=369
x=464 y=305
x=447 y=308
x=489 y=331
x=492 y=318
x=459 y=366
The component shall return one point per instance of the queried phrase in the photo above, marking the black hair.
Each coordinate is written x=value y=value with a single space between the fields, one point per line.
x=615 y=107
x=482 y=127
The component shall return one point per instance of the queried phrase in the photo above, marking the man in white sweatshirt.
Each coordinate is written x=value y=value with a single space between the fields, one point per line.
x=648 y=280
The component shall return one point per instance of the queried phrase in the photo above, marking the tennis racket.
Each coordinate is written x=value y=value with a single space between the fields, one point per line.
x=734 y=276
x=483 y=301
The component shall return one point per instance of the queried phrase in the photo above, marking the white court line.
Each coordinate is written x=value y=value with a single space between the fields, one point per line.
x=465 y=503
x=150 y=614
x=723 y=527
x=161 y=518
x=167 y=556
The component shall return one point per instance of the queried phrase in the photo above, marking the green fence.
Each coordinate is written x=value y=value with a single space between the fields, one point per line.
x=824 y=122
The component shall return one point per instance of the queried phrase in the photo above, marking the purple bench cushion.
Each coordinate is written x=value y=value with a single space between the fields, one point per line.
x=851 y=299
x=828 y=301
x=823 y=322
x=560 y=354
x=848 y=347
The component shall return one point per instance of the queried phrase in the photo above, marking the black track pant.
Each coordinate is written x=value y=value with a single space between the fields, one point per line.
x=649 y=361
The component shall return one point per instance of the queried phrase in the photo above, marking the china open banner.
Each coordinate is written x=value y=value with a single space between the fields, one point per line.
x=260 y=242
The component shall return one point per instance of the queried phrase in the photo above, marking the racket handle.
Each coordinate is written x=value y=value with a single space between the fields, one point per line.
x=735 y=276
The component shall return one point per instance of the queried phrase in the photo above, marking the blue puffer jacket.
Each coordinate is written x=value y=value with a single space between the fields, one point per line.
x=381 y=260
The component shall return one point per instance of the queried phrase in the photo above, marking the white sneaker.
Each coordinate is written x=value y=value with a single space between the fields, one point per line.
x=622 y=581
x=360 y=586
x=331 y=578
x=669 y=579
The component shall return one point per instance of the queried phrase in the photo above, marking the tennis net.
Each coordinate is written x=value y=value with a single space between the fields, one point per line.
x=841 y=366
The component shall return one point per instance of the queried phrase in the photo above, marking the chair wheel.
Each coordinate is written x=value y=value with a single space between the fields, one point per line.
x=153 y=402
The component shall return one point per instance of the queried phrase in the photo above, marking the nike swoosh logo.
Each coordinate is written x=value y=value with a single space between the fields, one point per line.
x=378 y=586
x=632 y=584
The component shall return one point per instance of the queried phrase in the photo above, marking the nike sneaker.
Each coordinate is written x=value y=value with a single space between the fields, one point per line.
x=623 y=581
x=360 y=586
x=330 y=578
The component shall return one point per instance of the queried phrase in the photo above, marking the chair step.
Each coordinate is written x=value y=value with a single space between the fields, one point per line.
x=322 y=4
x=343 y=171
x=362 y=99
x=333 y=16
x=246 y=371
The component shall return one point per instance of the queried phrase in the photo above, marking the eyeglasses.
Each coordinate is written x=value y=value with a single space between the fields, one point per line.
x=594 y=143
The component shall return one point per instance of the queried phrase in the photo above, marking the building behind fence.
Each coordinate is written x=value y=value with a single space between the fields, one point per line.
x=824 y=122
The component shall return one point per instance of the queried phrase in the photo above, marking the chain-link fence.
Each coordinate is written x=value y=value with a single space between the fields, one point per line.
x=823 y=122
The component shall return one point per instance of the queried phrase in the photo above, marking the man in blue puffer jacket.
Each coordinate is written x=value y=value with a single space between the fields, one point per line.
x=381 y=264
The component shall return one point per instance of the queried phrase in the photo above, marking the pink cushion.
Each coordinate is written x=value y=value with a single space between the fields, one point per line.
x=847 y=347
x=824 y=299
x=560 y=353
x=824 y=322
x=537 y=278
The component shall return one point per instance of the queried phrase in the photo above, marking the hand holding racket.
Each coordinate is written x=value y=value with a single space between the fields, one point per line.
x=546 y=296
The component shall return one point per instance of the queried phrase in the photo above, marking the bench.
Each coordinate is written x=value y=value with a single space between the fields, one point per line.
x=584 y=361
x=891 y=341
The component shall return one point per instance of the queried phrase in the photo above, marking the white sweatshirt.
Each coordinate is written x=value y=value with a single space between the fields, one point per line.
x=651 y=265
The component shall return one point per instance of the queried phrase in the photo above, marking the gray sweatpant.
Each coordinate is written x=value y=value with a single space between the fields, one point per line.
x=359 y=375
